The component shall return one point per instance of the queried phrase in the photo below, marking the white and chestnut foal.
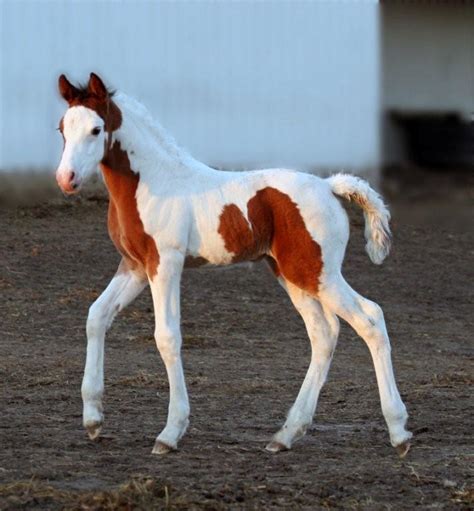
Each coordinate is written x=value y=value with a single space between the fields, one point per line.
x=168 y=211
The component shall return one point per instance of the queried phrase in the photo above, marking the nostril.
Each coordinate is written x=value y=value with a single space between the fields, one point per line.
x=68 y=180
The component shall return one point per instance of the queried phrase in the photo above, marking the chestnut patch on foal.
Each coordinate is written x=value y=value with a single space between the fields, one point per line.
x=239 y=238
x=124 y=223
x=275 y=226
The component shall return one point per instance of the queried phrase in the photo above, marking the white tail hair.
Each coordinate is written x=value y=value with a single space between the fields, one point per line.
x=377 y=229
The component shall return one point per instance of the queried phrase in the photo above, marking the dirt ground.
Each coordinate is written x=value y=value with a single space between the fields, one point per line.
x=245 y=355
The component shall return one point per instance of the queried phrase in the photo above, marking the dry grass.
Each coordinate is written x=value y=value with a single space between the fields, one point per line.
x=195 y=341
x=141 y=379
x=140 y=493
x=464 y=497
x=145 y=378
x=456 y=378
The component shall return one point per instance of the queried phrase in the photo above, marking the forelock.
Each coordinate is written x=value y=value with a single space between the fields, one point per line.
x=83 y=93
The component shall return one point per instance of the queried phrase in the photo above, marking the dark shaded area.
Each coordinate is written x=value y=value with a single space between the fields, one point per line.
x=437 y=140
x=245 y=355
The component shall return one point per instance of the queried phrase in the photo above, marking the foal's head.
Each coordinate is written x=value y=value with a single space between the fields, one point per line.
x=86 y=128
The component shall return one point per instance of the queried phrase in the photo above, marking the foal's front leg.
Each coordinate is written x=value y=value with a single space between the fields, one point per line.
x=122 y=289
x=165 y=293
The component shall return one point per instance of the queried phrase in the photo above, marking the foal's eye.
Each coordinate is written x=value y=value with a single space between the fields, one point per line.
x=95 y=131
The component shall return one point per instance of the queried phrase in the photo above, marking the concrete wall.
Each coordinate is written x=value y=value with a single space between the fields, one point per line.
x=240 y=84
x=428 y=61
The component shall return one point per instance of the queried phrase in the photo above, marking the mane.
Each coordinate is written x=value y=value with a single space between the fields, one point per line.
x=137 y=109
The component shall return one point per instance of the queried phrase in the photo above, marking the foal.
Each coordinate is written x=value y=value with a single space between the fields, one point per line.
x=168 y=210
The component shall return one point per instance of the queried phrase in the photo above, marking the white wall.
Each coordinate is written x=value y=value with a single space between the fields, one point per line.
x=247 y=84
x=428 y=60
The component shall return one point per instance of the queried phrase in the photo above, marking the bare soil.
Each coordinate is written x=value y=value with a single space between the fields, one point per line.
x=245 y=355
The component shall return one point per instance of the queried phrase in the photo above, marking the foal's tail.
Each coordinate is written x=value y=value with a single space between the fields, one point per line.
x=377 y=229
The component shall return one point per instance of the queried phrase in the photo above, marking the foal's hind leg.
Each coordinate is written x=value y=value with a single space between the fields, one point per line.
x=367 y=319
x=122 y=289
x=323 y=329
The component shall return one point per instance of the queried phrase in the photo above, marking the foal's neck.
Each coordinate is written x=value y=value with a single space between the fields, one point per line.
x=152 y=152
x=142 y=151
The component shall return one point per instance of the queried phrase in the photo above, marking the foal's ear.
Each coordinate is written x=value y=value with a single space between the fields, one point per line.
x=66 y=89
x=97 y=88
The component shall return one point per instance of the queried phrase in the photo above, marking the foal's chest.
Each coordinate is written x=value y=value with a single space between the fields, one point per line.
x=125 y=226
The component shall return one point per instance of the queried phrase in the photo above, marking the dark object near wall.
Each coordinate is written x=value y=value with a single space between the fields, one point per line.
x=437 y=140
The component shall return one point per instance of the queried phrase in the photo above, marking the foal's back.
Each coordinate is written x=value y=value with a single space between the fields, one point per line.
x=227 y=217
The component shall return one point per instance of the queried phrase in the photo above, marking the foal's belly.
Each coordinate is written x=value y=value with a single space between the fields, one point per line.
x=230 y=240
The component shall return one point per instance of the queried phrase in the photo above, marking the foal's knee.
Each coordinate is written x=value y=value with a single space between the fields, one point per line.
x=323 y=331
x=97 y=319
x=168 y=342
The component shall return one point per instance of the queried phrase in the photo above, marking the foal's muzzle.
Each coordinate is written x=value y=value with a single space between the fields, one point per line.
x=68 y=182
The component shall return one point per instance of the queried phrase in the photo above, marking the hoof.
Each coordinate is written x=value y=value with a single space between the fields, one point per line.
x=275 y=447
x=93 y=430
x=162 y=448
x=403 y=448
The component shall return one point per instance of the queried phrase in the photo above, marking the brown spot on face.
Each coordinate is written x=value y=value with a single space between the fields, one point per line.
x=107 y=110
x=94 y=96
x=125 y=226
x=275 y=228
